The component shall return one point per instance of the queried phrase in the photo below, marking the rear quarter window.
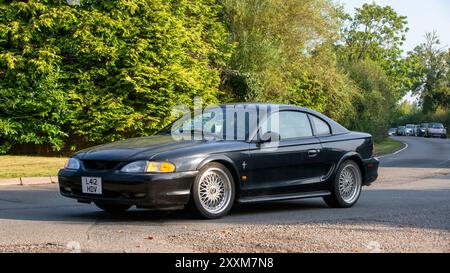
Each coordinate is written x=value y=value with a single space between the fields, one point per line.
x=320 y=126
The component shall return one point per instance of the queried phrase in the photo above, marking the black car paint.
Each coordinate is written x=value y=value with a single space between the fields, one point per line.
x=301 y=167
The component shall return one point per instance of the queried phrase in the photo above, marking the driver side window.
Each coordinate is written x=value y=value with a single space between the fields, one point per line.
x=290 y=125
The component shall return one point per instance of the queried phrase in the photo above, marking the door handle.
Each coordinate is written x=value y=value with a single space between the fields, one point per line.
x=313 y=152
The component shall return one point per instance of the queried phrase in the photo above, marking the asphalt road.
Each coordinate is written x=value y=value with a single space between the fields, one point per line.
x=421 y=153
x=407 y=209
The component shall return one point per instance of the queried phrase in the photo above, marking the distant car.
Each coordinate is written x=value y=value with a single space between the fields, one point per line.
x=422 y=129
x=409 y=129
x=392 y=131
x=436 y=130
x=401 y=131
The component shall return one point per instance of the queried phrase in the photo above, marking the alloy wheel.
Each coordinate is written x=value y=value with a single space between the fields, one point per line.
x=214 y=190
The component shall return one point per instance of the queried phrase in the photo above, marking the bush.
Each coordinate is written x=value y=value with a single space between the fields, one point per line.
x=104 y=70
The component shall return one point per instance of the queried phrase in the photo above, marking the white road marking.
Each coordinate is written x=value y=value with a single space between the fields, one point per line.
x=396 y=152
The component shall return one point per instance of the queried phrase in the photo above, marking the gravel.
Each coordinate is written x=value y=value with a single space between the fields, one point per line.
x=317 y=238
x=35 y=248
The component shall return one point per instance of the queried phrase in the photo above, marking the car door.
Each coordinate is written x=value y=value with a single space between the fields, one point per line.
x=292 y=166
x=331 y=150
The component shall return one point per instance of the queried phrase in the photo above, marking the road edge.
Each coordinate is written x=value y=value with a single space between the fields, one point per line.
x=405 y=146
x=25 y=181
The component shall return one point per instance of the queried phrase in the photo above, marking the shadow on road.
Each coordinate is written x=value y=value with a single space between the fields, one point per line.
x=412 y=208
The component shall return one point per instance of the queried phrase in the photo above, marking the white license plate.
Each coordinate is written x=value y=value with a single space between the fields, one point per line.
x=92 y=185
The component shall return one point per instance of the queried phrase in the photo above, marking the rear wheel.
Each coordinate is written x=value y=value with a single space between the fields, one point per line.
x=213 y=192
x=346 y=187
x=113 y=208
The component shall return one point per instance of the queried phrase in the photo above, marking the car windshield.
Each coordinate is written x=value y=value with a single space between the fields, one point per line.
x=216 y=122
x=409 y=126
x=424 y=125
x=436 y=126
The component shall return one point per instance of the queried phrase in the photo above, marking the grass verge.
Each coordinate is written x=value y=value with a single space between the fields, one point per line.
x=387 y=146
x=28 y=166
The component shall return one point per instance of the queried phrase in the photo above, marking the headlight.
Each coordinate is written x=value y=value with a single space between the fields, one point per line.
x=73 y=164
x=148 y=166
x=135 y=167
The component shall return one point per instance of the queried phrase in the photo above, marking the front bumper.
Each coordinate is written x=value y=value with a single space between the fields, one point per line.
x=436 y=133
x=370 y=170
x=163 y=190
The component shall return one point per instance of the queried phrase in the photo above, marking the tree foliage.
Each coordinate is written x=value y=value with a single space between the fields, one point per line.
x=104 y=70
x=371 y=53
x=432 y=74
x=274 y=40
x=98 y=71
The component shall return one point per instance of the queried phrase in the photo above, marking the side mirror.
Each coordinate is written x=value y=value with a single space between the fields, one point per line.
x=269 y=136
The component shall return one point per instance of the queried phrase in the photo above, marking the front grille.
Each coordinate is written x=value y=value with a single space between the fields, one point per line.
x=100 y=165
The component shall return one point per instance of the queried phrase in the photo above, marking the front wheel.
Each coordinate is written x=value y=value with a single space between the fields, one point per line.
x=213 y=192
x=346 y=187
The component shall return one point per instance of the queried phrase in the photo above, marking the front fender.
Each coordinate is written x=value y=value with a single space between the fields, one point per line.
x=218 y=158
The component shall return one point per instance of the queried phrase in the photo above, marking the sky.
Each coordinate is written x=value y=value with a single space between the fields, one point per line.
x=422 y=16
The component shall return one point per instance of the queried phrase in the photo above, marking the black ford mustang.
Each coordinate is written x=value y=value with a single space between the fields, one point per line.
x=284 y=152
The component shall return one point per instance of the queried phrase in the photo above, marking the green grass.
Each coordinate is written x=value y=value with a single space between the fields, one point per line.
x=27 y=166
x=387 y=146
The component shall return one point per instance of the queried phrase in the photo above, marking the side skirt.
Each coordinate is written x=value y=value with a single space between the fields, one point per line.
x=265 y=198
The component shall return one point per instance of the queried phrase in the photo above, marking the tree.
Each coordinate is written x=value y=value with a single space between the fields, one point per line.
x=370 y=52
x=377 y=33
x=274 y=40
x=374 y=107
x=104 y=70
x=432 y=74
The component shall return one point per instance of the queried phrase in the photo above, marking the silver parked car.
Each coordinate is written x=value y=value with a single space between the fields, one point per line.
x=401 y=131
x=392 y=131
x=436 y=130
x=409 y=130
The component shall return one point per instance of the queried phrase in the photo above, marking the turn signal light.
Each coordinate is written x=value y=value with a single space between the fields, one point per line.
x=160 y=167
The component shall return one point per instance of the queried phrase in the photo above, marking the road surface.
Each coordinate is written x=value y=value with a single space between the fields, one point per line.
x=406 y=210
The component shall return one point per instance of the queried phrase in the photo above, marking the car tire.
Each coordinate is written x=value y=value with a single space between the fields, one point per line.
x=346 y=186
x=444 y=136
x=113 y=208
x=213 y=191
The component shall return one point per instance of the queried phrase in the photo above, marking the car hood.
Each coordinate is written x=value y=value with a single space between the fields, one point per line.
x=134 y=148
